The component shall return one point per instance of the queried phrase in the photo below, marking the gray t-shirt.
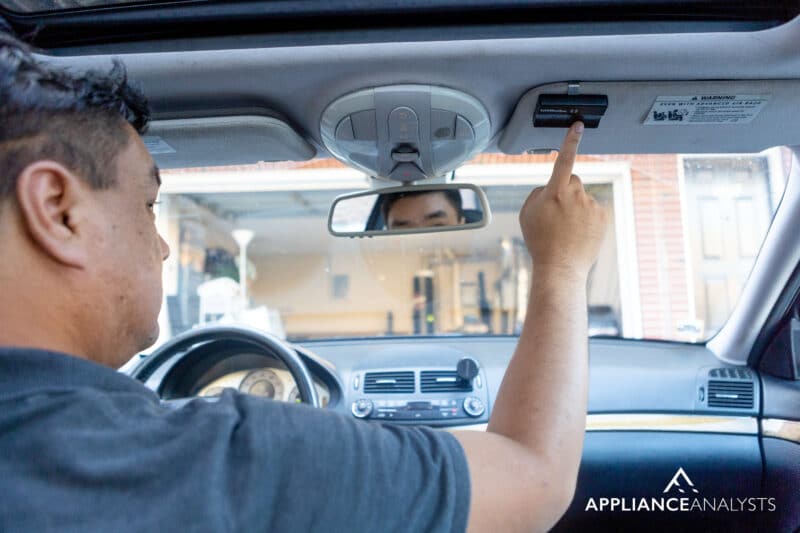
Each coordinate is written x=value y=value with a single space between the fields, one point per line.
x=84 y=448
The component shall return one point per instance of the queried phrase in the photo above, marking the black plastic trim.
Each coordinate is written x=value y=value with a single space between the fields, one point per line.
x=182 y=20
x=781 y=481
x=778 y=319
x=781 y=398
x=488 y=336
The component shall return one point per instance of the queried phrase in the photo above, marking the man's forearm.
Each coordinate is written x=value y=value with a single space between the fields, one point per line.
x=531 y=452
x=542 y=401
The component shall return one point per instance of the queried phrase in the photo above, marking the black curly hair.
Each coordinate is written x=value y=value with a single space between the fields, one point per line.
x=49 y=113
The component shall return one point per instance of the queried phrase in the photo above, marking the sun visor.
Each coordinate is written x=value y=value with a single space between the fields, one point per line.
x=658 y=117
x=217 y=141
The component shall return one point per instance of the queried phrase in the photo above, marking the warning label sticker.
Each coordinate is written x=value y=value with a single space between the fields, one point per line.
x=157 y=145
x=705 y=109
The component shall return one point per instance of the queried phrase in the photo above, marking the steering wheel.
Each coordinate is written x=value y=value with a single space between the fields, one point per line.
x=264 y=341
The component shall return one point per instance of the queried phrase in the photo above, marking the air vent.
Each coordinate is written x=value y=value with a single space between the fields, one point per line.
x=730 y=373
x=443 y=381
x=730 y=394
x=389 y=382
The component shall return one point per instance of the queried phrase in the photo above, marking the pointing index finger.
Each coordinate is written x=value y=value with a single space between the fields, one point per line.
x=562 y=169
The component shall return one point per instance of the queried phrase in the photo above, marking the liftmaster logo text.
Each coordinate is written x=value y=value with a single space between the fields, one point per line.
x=681 y=495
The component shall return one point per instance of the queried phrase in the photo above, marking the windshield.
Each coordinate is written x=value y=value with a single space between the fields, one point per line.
x=250 y=245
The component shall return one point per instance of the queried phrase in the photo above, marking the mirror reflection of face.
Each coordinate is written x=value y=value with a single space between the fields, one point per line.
x=425 y=210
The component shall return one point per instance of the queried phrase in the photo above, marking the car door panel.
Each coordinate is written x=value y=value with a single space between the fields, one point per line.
x=781 y=448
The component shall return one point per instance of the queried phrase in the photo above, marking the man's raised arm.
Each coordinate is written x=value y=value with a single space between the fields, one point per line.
x=524 y=468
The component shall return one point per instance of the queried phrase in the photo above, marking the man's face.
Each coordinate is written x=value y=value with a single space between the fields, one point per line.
x=422 y=211
x=129 y=252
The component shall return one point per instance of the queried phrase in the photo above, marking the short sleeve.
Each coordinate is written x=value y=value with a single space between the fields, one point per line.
x=91 y=460
x=92 y=450
x=248 y=464
x=294 y=468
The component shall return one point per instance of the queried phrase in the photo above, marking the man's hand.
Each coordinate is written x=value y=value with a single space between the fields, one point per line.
x=563 y=226
x=524 y=468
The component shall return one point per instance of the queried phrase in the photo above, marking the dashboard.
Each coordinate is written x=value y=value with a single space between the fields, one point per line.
x=432 y=384
x=419 y=380
x=273 y=383
x=653 y=407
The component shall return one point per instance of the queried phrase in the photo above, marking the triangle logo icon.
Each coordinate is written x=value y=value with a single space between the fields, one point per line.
x=679 y=481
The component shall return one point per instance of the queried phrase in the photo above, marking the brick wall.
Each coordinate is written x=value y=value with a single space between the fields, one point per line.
x=660 y=248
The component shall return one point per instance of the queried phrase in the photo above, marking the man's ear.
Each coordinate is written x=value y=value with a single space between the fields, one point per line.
x=50 y=200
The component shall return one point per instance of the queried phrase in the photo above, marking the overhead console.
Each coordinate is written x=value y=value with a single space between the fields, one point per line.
x=657 y=116
x=405 y=133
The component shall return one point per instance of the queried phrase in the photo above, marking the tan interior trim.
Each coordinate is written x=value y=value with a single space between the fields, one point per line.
x=781 y=429
x=743 y=425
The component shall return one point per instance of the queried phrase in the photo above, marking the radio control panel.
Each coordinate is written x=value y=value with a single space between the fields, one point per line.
x=433 y=396
x=419 y=410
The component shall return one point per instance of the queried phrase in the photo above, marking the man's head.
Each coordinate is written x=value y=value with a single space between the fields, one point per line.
x=82 y=256
x=422 y=209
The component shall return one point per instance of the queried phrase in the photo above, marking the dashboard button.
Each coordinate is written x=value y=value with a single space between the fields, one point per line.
x=365 y=125
x=407 y=172
x=344 y=131
x=474 y=406
x=361 y=408
x=403 y=125
x=467 y=369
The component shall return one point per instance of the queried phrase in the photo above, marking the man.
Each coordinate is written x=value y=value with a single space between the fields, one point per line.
x=83 y=448
x=422 y=209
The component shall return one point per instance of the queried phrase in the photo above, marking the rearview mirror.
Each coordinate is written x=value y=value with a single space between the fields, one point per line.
x=409 y=209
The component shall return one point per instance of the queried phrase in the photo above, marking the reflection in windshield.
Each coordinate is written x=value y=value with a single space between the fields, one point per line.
x=684 y=232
